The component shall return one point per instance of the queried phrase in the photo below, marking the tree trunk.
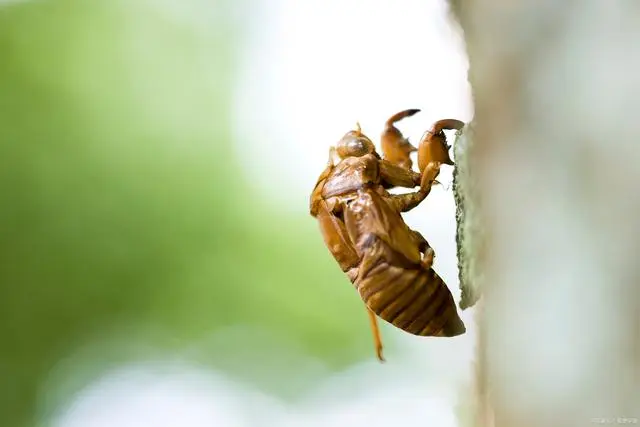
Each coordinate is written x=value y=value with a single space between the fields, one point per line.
x=551 y=181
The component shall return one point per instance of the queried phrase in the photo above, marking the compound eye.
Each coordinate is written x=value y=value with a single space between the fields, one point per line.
x=357 y=147
x=354 y=144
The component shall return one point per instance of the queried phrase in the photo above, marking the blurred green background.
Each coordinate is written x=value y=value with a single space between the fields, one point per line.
x=127 y=230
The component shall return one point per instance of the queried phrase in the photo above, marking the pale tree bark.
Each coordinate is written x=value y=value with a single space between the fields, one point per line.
x=552 y=177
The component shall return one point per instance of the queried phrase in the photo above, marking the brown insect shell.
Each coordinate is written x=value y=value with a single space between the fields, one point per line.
x=354 y=144
x=396 y=148
x=433 y=148
x=433 y=145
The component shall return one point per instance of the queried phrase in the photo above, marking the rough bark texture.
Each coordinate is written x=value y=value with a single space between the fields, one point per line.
x=552 y=176
x=469 y=227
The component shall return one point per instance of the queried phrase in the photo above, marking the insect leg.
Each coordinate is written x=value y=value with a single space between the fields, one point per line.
x=427 y=259
x=425 y=249
x=408 y=201
x=446 y=124
x=316 y=194
x=399 y=116
x=395 y=147
x=336 y=236
x=429 y=175
x=377 y=340
x=398 y=176
x=420 y=241
x=433 y=144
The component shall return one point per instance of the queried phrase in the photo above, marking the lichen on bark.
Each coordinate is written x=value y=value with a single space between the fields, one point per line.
x=468 y=230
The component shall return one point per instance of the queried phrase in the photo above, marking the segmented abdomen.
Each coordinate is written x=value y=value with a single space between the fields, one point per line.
x=415 y=300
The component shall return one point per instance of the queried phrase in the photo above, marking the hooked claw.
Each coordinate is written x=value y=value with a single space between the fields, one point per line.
x=395 y=147
x=433 y=145
x=447 y=124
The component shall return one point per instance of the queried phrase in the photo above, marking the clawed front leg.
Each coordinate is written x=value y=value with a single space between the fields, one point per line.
x=406 y=202
x=397 y=149
x=433 y=145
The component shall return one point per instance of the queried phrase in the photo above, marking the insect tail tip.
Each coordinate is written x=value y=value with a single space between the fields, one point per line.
x=454 y=327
